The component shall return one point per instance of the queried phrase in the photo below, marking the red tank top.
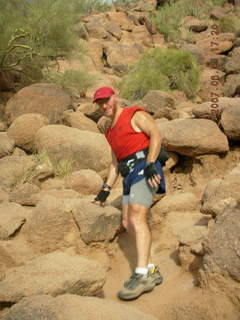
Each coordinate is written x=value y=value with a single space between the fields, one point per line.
x=123 y=139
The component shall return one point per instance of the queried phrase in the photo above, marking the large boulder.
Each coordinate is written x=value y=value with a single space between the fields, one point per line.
x=45 y=98
x=13 y=253
x=80 y=121
x=233 y=64
x=178 y=201
x=205 y=110
x=208 y=86
x=24 y=194
x=51 y=225
x=7 y=144
x=220 y=192
x=88 y=150
x=84 y=181
x=73 y=307
x=230 y=122
x=24 y=128
x=232 y=85
x=120 y=55
x=221 y=265
x=54 y=273
x=192 y=137
x=160 y=104
x=96 y=223
x=12 y=217
x=15 y=169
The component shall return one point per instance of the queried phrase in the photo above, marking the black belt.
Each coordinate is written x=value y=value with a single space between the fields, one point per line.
x=127 y=164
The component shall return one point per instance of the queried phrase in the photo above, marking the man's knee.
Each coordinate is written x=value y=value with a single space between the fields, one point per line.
x=137 y=215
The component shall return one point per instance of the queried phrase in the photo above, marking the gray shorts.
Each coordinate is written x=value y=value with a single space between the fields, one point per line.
x=140 y=193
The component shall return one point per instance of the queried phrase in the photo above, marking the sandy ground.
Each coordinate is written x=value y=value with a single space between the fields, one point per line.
x=177 y=289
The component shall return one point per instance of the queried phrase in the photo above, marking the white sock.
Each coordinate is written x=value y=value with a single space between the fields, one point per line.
x=141 y=270
x=150 y=266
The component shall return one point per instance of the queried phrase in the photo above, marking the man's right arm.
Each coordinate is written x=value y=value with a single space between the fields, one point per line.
x=113 y=171
x=111 y=179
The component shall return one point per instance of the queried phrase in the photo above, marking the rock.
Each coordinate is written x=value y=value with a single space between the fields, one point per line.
x=6 y=144
x=4 y=196
x=221 y=264
x=15 y=169
x=232 y=86
x=193 y=235
x=80 y=121
x=53 y=183
x=82 y=148
x=195 y=25
x=95 y=51
x=188 y=260
x=103 y=124
x=47 y=99
x=3 y=126
x=233 y=64
x=160 y=104
x=71 y=307
x=209 y=90
x=177 y=202
x=220 y=192
x=14 y=253
x=174 y=224
x=84 y=181
x=24 y=194
x=230 y=122
x=121 y=19
x=95 y=29
x=96 y=223
x=204 y=110
x=12 y=218
x=193 y=137
x=54 y=273
x=51 y=226
x=119 y=56
x=113 y=28
x=24 y=128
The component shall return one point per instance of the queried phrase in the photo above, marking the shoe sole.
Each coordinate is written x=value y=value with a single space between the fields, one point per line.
x=158 y=281
x=132 y=296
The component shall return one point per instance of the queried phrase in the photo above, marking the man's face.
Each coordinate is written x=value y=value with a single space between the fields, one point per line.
x=107 y=106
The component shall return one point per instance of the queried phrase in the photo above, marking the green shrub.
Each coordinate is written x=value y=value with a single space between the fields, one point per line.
x=37 y=32
x=169 y=17
x=230 y=24
x=73 y=79
x=162 y=69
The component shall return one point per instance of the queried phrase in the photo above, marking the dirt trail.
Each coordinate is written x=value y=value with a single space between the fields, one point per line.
x=176 y=282
x=177 y=289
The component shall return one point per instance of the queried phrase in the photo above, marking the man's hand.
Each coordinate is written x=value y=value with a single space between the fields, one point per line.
x=101 y=197
x=151 y=174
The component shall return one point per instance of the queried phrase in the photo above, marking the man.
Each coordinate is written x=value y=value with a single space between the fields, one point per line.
x=135 y=145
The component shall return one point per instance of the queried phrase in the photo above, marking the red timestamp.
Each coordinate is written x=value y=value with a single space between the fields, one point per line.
x=214 y=79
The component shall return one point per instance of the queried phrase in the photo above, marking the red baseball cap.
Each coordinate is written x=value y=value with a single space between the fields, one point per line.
x=103 y=92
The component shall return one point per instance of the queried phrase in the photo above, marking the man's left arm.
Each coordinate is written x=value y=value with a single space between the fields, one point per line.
x=144 y=122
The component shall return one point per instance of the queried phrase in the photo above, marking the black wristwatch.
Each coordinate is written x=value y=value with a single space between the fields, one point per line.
x=106 y=186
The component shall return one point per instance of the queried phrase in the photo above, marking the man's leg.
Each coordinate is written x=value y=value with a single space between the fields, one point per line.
x=138 y=227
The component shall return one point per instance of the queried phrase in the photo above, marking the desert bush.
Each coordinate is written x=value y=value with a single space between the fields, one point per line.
x=37 y=32
x=162 y=69
x=73 y=80
x=230 y=24
x=169 y=17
